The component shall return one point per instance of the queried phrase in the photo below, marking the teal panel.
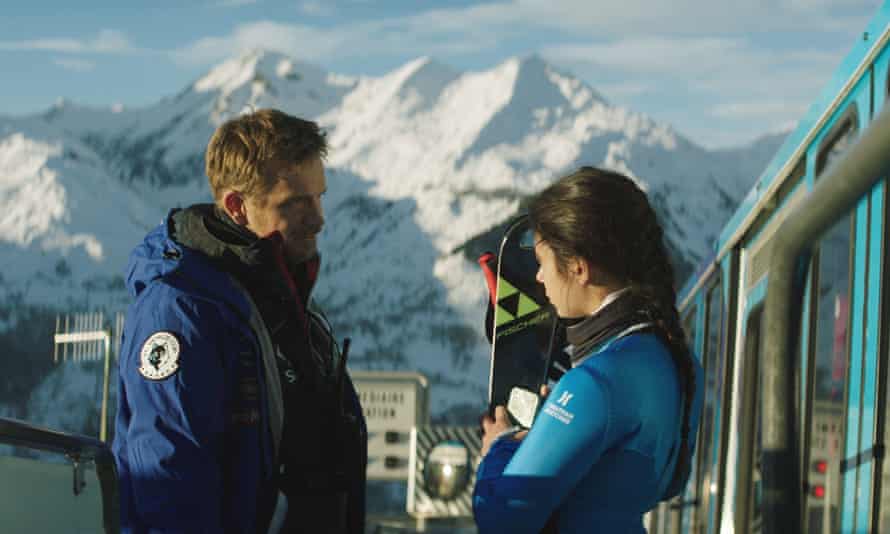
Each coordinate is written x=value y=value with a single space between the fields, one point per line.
x=881 y=71
x=859 y=309
x=872 y=344
x=881 y=67
x=810 y=175
x=854 y=371
x=700 y=322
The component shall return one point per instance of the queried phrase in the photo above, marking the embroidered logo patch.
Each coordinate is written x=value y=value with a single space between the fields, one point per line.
x=159 y=357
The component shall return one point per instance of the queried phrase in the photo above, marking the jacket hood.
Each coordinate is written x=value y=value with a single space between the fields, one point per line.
x=204 y=246
x=160 y=254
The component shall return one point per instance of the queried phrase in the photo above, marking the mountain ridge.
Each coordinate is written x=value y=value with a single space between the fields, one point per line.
x=424 y=160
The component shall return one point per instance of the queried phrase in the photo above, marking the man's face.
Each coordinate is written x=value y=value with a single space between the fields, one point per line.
x=292 y=207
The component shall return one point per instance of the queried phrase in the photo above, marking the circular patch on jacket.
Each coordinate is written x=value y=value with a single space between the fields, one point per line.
x=159 y=357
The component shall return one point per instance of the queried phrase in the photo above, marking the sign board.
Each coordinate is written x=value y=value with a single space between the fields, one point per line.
x=393 y=404
x=443 y=471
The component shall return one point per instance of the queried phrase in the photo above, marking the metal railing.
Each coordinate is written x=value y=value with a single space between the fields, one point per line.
x=79 y=450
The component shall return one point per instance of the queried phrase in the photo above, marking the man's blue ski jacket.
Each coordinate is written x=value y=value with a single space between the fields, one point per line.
x=193 y=449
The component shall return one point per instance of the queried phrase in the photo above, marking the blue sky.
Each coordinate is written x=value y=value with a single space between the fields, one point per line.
x=720 y=71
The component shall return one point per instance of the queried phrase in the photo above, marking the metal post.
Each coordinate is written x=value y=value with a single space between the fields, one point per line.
x=826 y=508
x=89 y=341
x=75 y=349
x=65 y=347
x=56 y=346
x=103 y=426
x=93 y=344
x=118 y=334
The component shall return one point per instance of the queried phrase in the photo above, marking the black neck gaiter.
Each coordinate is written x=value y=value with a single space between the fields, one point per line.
x=628 y=310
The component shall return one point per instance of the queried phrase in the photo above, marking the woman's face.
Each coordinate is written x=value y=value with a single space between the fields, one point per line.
x=562 y=292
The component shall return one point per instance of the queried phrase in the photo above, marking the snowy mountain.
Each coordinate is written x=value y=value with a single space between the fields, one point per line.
x=423 y=161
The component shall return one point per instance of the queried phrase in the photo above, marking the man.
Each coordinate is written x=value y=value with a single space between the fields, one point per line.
x=231 y=384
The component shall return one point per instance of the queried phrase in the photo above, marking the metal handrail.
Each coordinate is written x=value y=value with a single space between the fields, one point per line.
x=843 y=185
x=78 y=449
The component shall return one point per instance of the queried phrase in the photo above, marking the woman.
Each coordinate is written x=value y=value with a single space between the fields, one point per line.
x=615 y=436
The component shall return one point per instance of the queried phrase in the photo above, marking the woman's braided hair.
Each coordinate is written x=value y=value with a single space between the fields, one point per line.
x=606 y=219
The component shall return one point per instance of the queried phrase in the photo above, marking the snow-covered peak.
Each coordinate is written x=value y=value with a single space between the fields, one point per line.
x=409 y=89
x=538 y=79
x=424 y=76
x=458 y=114
x=230 y=74
x=259 y=67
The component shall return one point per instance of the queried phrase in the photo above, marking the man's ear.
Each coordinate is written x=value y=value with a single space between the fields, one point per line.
x=233 y=204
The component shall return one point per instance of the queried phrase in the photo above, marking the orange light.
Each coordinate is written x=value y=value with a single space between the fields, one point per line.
x=819 y=492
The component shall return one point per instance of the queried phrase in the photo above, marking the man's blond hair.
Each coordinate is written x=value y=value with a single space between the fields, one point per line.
x=240 y=151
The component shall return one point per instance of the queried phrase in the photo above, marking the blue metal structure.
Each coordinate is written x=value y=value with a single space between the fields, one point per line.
x=839 y=337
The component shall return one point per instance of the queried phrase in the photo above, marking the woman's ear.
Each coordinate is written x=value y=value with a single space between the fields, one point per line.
x=579 y=269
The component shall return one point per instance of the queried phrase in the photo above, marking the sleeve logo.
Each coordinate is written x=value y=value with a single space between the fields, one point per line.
x=557 y=408
x=565 y=398
x=159 y=357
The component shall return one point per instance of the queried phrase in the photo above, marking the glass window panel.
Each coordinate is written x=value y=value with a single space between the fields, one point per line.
x=842 y=141
x=38 y=497
x=829 y=388
x=686 y=515
x=709 y=444
x=753 y=350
